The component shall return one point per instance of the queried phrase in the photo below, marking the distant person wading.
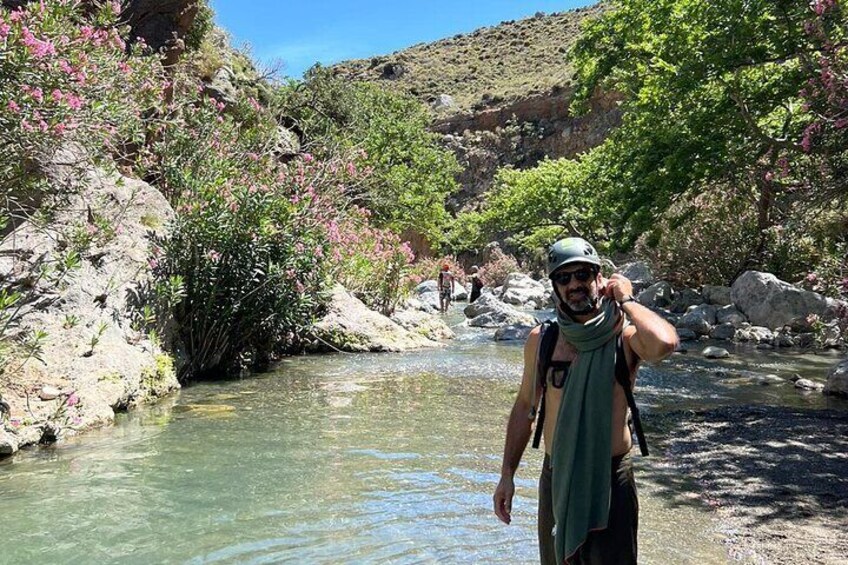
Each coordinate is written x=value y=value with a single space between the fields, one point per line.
x=445 y=288
x=588 y=508
x=476 y=284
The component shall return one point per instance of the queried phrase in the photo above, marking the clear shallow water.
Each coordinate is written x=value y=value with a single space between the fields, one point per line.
x=345 y=459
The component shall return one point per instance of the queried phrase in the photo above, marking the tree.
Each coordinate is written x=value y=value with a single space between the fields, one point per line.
x=713 y=94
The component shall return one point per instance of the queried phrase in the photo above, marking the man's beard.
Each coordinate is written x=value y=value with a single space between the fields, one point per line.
x=582 y=305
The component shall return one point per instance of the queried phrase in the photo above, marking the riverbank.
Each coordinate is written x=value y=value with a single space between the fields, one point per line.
x=776 y=476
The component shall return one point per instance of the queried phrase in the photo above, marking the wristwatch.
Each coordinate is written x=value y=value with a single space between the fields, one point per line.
x=627 y=299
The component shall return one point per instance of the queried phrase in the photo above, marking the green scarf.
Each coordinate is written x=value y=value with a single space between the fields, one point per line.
x=582 y=444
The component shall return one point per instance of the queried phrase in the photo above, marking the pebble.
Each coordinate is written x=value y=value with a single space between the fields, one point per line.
x=715 y=353
x=807 y=384
x=48 y=392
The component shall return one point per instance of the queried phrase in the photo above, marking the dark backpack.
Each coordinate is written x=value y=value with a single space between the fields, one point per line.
x=550 y=334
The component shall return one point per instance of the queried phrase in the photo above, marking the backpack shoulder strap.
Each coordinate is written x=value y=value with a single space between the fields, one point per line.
x=547 y=344
x=622 y=375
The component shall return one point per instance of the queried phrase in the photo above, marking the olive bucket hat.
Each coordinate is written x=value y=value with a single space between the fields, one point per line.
x=571 y=250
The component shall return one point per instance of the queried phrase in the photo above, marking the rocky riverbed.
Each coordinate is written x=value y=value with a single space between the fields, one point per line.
x=776 y=476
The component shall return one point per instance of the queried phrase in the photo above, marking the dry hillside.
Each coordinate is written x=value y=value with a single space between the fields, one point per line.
x=488 y=67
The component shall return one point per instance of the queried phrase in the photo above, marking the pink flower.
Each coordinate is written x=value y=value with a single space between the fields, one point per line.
x=66 y=67
x=255 y=104
x=57 y=95
x=13 y=107
x=37 y=94
x=4 y=30
x=73 y=399
x=73 y=101
x=214 y=256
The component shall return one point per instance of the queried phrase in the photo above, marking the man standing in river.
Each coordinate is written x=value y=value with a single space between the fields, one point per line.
x=445 y=288
x=588 y=509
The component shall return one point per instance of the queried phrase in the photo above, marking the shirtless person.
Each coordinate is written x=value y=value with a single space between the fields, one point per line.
x=596 y=524
x=445 y=288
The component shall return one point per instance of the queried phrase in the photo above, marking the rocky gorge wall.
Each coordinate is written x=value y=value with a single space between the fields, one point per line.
x=520 y=134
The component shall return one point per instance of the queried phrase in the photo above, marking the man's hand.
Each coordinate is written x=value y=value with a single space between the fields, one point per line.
x=503 y=499
x=618 y=287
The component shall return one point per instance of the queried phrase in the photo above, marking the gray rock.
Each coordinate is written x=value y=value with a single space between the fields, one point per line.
x=500 y=318
x=832 y=335
x=715 y=353
x=717 y=295
x=430 y=300
x=520 y=290
x=444 y=101
x=658 y=295
x=459 y=292
x=684 y=299
x=807 y=384
x=486 y=303
x=767 y=301
x=430 y=326
x=639 y=273
x=806 y=340
x=222 y=86
x=770 y=379
x=785 y=339
x=351 y=326
x=730 y=315
x=699 y=319
x=427 y=286
x=756 y=334
x=837 y=380
x=288 y=144
x=9 y=443
x=724 y=331
x=48 y=392
x=513 y=332
x=686 y=334
x=123 y=368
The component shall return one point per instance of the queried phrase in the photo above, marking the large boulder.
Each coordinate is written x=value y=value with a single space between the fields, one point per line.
x=521 y=290
x=489 y=312
x=770 y=302
x=96 y=357
x=350 y=325
x=837 y=380
x=639 y=273
x=658 y=295
x=427 y=286
x=430 y=326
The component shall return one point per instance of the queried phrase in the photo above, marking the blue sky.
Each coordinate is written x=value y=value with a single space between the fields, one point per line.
x=328 y=31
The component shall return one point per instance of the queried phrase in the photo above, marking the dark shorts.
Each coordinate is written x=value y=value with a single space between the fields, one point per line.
x=615 y=545
x=445 y=294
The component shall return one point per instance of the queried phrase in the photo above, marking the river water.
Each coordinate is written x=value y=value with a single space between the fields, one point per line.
x=389 y=458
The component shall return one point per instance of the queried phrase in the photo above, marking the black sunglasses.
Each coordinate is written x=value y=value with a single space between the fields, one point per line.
x=581 y=275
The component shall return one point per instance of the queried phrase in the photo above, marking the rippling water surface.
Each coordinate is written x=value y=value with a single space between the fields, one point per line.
x=344 y=459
